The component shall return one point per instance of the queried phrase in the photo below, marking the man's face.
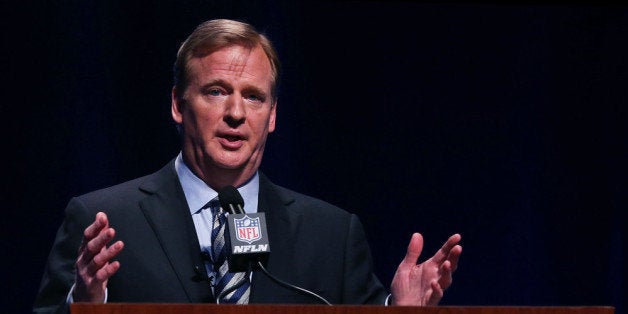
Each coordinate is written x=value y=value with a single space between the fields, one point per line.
x=226 y=113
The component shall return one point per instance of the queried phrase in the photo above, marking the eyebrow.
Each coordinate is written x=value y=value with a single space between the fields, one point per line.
x=246 y=89
x=219 y=82
x=255 y=90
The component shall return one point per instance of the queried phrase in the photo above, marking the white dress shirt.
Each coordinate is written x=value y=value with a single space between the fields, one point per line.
x=198 y=194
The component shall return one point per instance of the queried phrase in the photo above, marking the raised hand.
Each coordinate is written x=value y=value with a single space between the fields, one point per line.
x=424 y=284
x=93 y=265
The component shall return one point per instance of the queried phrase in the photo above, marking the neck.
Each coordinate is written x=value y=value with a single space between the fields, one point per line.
x=216 y=177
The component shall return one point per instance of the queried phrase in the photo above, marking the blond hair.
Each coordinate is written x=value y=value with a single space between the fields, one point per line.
x=213 y=35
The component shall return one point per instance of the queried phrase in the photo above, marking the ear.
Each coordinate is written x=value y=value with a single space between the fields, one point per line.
x=176 y=108
x=273 y=117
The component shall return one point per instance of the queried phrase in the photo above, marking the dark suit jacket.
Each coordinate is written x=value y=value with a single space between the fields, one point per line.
x=314 y=245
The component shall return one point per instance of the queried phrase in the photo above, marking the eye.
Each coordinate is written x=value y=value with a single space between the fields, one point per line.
x=255 y=98
x=213 y=92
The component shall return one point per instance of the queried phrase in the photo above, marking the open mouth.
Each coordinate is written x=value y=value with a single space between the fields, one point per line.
x=232 y=138
x=231 y=141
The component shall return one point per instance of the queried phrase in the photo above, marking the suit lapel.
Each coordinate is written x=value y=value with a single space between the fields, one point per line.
x=167 y=212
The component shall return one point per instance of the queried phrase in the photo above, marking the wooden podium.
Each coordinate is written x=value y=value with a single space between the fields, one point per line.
x=155 y=308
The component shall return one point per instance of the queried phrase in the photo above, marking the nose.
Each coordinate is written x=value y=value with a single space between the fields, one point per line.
x=235 y=113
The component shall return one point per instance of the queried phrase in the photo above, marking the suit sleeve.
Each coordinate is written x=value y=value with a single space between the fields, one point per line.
x=59 y=273
x=361 y=284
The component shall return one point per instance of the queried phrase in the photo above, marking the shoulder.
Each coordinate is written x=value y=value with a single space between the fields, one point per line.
x=305 y=206
x=129 y=192
x=309 y=202
x=115 y=191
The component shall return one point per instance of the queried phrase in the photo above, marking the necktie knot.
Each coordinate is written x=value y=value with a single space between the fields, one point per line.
x=214 y=206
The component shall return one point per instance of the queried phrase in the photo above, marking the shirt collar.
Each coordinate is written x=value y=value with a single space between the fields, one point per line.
x=198 y=193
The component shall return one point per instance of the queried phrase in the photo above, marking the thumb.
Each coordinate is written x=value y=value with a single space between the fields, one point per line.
x=414 y=249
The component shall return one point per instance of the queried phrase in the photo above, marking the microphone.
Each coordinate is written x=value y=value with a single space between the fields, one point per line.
x=231 y=200
x=247 y=242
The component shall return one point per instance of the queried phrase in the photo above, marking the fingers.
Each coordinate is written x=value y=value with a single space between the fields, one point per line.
x=96 y=237
x=106 y=272
x=424 y=284
x=453 y=257
x=92 y=231
x=449 y=266
x=99 y=224
x=96 y=245
x=414 y=250
x=445 y=275
x=435 y=295
x=93 y=265
x=450 y=263
x=94 y=253
x=444 y=252
x=101 y=259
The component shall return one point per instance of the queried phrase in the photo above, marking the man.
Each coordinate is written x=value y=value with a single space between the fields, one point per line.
x=224 y=102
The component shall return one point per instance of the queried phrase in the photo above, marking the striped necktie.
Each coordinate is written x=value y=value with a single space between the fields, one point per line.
x=225 y=279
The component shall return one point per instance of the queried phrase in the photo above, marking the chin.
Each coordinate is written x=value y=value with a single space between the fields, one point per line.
x=233 y=161
x=230 y=164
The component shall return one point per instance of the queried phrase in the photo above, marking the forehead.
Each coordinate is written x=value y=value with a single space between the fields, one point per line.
x=234 y=63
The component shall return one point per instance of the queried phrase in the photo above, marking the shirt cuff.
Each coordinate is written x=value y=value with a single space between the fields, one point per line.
x=69 y=299
x=388 y=299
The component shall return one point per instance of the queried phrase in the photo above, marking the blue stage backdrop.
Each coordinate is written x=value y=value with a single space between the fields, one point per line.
x=505 y=123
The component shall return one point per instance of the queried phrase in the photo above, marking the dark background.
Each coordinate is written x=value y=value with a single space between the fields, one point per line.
x=505 y=123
